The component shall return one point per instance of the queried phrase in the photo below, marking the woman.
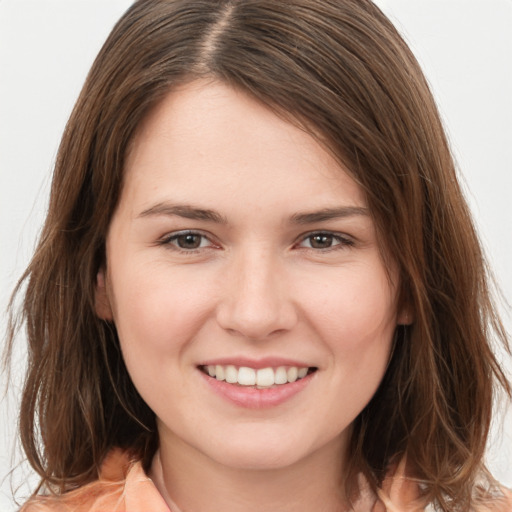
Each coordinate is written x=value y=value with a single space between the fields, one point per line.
x=258 y=283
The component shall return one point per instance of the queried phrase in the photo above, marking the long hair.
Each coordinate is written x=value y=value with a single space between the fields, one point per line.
x=340 y=70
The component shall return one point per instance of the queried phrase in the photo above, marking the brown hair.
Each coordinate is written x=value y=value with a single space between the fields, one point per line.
x=340 y=70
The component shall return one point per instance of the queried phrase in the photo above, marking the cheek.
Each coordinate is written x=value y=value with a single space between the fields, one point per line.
x=358 y=325
x=156 y=309
x=356 y=309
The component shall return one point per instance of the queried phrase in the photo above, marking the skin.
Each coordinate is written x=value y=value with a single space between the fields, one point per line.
x=259 y=285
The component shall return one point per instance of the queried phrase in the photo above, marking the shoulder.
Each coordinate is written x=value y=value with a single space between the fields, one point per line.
x=106 y=493
x=122 y=486
x=400 y=493
x=95 y=497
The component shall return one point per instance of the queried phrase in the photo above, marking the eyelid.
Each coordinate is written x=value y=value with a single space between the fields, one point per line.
x=343 y=239
x=168 y=238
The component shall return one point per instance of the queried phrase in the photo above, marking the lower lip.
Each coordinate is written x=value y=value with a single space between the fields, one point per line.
x=253 y=398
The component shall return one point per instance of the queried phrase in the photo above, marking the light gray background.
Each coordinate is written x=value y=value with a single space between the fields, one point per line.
x=47 y=47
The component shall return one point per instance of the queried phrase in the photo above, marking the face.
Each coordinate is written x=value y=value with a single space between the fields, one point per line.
x=244 y=277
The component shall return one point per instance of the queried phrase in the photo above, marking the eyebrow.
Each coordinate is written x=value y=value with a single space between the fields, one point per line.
x=328 y=214
x=184 y=210
x=188 y=211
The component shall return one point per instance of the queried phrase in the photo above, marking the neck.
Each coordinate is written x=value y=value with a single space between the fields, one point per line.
x=198 y=484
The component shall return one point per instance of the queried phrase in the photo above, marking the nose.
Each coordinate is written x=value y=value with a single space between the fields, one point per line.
x=256 y=301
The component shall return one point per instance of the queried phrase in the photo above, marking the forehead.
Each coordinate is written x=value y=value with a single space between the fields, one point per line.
x=215 y=143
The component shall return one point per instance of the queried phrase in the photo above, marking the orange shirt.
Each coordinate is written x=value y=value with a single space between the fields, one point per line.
x=123 y=486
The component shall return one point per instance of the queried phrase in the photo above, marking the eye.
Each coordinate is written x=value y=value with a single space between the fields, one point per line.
x=324 y=240
x=187 y=241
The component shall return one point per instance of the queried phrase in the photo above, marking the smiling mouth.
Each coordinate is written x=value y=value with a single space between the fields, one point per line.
x=262 y=378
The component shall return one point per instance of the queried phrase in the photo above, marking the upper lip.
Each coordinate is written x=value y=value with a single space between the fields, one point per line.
x=266 y=362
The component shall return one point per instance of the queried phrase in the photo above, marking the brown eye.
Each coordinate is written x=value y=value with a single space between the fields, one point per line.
x=321 y=241
x=189 y=241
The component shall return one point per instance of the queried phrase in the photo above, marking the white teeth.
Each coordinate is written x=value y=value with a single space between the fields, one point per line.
x=265 y=377
x=231 y=374
x=261 y=378
x=219 y=372
x=281 y=376
x=292 y=373
x=246 y=376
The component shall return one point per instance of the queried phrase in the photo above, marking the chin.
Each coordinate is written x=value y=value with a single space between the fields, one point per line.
x=263 y=452
x=258 y=459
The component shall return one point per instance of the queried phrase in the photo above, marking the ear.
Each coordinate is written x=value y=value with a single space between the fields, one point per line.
x=101 y=299
x=405 y=316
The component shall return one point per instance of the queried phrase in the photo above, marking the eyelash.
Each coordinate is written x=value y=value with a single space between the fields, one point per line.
x=342 y=241
x=169 y=239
